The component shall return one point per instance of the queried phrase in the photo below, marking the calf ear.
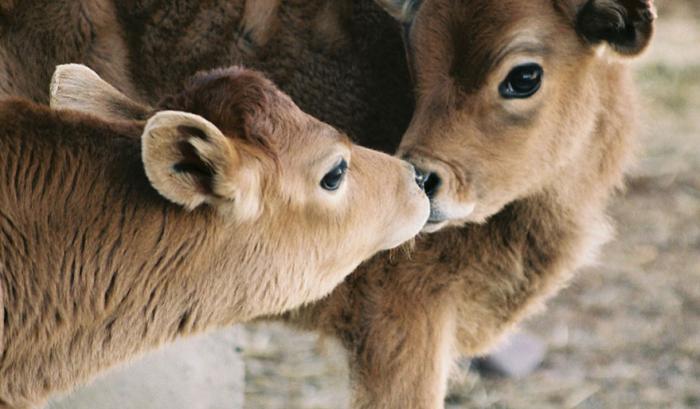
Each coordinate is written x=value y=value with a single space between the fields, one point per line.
x=77 y=87
x=627 y=25
x=402 y=10
x=190 y=162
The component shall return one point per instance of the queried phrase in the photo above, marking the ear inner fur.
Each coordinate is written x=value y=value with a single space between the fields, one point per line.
x=177 y=162
x=79 y=88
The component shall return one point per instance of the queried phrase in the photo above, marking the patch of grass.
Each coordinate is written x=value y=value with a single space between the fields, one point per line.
x=692 y=401
x=675 y=88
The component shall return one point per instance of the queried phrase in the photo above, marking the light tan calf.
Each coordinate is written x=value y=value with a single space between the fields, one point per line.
x=99 y=261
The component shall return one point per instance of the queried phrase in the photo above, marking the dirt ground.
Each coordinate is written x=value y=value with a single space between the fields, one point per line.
x=626 y=333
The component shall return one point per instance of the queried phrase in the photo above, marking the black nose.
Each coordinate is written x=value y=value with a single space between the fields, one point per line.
x=428 y=181
x=420 y=178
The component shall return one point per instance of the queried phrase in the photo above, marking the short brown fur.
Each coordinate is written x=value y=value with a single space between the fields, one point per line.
x=542 y=172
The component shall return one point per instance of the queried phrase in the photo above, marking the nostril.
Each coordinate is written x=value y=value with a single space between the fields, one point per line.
x=431 y=184
x=420 y=176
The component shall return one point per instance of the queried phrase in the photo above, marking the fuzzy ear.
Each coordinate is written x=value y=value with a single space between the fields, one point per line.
x=627 y=25
x=77 y=87
x=190 y=162
x=402 y=10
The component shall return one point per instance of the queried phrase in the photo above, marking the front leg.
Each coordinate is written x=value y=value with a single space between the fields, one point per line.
x=398 y=321
x=403 y=359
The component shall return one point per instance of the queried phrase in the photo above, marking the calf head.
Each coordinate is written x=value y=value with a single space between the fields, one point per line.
x=231 y=140
x=281 y=165
x=508 y=92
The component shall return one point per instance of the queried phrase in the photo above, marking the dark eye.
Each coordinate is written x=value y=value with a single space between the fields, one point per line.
x=335 y=177
x=522 y=81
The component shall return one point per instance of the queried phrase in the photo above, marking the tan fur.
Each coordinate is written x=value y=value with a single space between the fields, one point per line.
x=77 y=87
x=259 y=23
x=531 y=177
x=97 y=267
x=329 y=30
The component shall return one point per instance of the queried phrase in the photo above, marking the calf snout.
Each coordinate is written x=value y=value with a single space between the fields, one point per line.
x=419 y=176
x=429 y=181
x=451 y=198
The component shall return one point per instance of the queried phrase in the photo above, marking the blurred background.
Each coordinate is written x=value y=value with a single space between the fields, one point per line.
x=624 y=334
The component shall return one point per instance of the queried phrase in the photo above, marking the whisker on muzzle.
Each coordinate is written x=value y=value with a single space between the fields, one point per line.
x=403 y=251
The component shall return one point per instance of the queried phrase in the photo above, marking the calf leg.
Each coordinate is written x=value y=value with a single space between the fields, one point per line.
x=404 y=359
x=398 y=323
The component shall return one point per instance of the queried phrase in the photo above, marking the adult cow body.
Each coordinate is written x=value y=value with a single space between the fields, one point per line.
x=522 y=124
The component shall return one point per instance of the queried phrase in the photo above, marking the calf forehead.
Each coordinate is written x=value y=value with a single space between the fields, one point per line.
x=469 y=36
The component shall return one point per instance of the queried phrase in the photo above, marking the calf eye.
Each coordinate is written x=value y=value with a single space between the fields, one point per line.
x=335 y=177
x=522 y=81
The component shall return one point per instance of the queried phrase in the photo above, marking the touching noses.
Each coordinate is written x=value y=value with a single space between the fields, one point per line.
x=428 y=181
x=419 y=177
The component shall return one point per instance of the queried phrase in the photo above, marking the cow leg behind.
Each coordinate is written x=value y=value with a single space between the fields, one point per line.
x=399 y=324
x=404 y=359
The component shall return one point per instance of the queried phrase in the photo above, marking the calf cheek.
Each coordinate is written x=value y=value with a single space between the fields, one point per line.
x=504 y=170
x=382 y=201
x=570 y=118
